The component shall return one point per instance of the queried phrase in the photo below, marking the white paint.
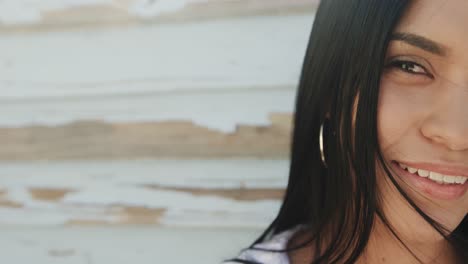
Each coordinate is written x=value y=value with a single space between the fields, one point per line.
x=221 y=110
x=221 y=72
x=228 y=174
x=223 y=173
x=30 y=11
x=222 y=54
x=122 y=245
x=100 y=185
x=152 y=8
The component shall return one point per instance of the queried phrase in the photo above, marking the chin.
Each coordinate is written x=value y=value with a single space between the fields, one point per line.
x=446 y=203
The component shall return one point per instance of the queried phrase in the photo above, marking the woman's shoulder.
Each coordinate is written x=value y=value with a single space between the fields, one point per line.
x=264 y=252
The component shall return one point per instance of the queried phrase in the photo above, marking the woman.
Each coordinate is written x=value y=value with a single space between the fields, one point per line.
x=379 y=158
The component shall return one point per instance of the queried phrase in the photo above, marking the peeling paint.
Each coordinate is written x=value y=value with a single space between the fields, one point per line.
x=121 y=244
x=46 y=194
x=230 y=74
x=30 y=11
x=199 y=193
x=175 y=139
x=141 y=215
x=236 y=80
x=240 y=194
x=34 y=12
x=10 y=204
x=152 y=8
x=216 y=66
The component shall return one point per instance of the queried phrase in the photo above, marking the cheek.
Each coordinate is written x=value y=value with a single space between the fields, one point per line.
x=396 y=114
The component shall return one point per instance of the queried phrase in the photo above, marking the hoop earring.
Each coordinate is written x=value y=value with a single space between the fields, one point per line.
x=322 y=151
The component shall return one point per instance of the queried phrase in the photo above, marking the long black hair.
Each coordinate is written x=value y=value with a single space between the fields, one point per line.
x=344 y=60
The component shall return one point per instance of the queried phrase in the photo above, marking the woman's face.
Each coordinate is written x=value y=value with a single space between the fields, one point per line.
x=423 y=114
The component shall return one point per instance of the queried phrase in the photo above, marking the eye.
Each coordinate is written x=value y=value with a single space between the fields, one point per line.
x=409 y=67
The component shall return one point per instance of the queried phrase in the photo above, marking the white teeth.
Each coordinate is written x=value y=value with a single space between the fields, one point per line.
x=436 y=177
x=449 y=179
x=412 y=170
x=459 y=179
x=423 y=173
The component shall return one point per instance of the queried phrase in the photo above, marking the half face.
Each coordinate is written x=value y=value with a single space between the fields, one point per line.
x=423 y=112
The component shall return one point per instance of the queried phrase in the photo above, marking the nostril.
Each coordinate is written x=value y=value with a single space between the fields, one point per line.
x=453 y=139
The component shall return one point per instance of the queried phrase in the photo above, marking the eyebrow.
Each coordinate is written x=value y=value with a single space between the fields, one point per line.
x=420 y=42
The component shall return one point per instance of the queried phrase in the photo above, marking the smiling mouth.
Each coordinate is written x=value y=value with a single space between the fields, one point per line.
x=434 y=176
x=433 y=182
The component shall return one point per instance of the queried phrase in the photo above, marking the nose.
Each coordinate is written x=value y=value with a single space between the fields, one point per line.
x=448 y=124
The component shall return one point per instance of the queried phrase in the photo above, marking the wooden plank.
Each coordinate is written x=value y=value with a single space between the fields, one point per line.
x=122 y=245
x=244 y=81
x=224 y=193
x=222 y=111
x=256 y=52
x=99 y=140
x=90 y=98
x=22 y=15
x=212 y=82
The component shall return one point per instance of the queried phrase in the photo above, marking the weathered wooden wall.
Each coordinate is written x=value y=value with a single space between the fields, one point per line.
x=166 y=113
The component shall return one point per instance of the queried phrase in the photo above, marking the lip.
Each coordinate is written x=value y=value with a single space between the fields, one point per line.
x=431 y=188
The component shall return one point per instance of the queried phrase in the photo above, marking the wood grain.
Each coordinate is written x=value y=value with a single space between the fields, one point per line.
x=49 y=194
x=192 y=192
x=239 y=194
x=100 y=140
x=122 y=13
x=113 y=117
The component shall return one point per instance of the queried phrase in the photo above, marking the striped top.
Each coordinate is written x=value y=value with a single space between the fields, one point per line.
x=277 y=242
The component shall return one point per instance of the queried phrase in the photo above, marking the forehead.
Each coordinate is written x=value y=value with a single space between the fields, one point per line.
x=445 y=22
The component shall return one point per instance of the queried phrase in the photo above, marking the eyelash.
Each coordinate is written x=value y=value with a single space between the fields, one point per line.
x=410 y=64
